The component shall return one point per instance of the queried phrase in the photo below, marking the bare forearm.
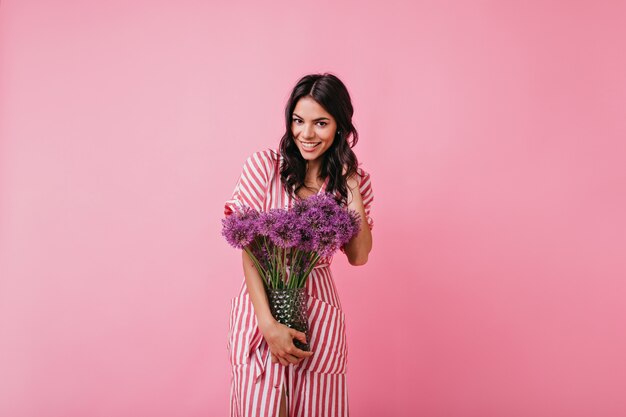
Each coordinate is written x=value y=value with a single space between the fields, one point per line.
x=359 y=247
x=256 y=291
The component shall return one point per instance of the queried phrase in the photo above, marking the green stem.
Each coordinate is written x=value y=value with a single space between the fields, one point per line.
x=284 y=269
x=315 y=257
x=292 y=252
x=267 y=249
x=297 y=261
x=275 y=272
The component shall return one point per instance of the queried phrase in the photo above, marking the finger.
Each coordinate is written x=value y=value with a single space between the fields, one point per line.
x=283 y=361
x=302 y=354
x=274 y=358
x=299 y=353
x=298 y=335
x=291 y=358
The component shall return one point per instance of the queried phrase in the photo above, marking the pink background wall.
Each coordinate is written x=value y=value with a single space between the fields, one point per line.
x=494 y=132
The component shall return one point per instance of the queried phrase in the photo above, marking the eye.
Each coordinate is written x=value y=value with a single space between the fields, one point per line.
x=322 y=124
x=296 y=121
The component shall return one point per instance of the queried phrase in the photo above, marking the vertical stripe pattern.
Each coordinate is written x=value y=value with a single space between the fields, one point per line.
x=316 y=386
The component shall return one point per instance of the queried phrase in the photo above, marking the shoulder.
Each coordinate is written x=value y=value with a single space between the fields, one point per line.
x=362 y=176
x=361 y=173
x=365 y=184
x=262 y=161
x=264 y=156
x=362 y=179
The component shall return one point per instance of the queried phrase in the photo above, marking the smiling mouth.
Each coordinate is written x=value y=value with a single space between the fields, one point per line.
x=309 y=145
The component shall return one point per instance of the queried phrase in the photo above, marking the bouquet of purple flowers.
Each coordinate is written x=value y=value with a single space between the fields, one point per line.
x=285 y=245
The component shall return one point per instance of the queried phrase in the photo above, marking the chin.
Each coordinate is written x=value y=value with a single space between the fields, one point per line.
x=309 y=155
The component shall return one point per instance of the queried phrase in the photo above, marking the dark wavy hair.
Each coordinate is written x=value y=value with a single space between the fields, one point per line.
x=330 y=93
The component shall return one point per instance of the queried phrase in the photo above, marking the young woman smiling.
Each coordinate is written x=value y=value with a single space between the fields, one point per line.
x=270 y=376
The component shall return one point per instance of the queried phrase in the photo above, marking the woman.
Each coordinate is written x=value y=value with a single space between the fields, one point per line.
x=271 y=377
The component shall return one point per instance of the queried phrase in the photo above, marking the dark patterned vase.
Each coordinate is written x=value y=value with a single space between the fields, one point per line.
x=289 y=307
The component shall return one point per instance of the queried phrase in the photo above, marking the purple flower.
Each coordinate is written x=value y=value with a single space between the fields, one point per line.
x=325 y=225
x=301 y=206
x=239 y=228
x=346 y=224
x=237 y=233
x=315 y=227
x=314 y=217
x=309 y=239
x=285 y=233
x=327 y=241
x=249 y=215
x=267 y=221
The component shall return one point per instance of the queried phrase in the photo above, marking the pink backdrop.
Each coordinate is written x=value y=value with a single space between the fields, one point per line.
x=494 y=132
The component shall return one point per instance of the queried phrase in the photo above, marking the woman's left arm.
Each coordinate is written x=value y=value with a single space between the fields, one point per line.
x=359 y=247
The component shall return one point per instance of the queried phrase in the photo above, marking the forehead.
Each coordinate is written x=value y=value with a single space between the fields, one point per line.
x=309 y=108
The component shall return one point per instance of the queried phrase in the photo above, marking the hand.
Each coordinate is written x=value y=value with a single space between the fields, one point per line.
x=279 y=338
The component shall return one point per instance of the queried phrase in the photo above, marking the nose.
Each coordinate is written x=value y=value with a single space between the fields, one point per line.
x=307 y=132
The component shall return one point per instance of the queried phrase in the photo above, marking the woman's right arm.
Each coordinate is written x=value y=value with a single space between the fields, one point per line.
x=278 y=336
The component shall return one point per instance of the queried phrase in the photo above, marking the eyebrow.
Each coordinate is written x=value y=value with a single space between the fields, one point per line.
x=315 y=120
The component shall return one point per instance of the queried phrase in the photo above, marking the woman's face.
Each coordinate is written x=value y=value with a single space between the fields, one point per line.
x=313 y=128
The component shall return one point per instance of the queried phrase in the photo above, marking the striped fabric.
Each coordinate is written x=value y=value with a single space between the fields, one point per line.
x=316 y=386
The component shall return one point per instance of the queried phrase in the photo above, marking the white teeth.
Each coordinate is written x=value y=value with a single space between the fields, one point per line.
x=309 y=145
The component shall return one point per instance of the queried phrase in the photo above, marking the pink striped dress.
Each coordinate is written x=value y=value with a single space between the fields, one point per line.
x=317 y=385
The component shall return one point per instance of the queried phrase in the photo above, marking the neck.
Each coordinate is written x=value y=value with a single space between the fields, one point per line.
x=313 y=169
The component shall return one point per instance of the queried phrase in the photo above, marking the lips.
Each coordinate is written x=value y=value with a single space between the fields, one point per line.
x=309 y=146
